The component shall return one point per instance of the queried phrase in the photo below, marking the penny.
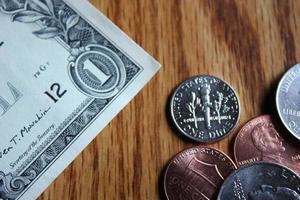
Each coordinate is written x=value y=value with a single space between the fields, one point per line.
x=196 y=173
x=261 y=181
x=288 y=100
x=258 y=140
x=205 y=108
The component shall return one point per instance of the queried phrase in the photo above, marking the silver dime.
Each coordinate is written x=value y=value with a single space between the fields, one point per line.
x=288 y=100
x=261 y=181
x=205 y=108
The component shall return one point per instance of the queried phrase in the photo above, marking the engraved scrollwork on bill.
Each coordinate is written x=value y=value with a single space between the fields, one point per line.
x=11 y=186
x=97 y=71
x=98 y=68
x=54 y=134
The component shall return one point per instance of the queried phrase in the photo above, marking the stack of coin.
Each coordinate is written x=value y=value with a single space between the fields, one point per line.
x=206 y=109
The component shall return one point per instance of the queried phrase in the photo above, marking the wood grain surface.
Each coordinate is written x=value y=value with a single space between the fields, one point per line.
x=250 y=44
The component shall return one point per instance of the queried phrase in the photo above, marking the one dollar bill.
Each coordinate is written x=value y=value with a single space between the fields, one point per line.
x=65 y=72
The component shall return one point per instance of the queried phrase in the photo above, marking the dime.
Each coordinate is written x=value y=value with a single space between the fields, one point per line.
x=196 y=173
x=258 y=140
x=261 y=181
x=288 y=100
x=205 y=108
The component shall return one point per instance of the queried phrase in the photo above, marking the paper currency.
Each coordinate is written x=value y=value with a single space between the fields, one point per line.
x=65 y=72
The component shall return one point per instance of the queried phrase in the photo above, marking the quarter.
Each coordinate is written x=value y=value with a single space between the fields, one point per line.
x=288 y=100
x=261 y=181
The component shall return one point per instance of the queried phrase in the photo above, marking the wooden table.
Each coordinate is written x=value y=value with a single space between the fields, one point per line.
x=250 y=44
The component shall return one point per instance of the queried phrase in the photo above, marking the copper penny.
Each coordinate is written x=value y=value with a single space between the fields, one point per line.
x=258 y=140
x=196 y=173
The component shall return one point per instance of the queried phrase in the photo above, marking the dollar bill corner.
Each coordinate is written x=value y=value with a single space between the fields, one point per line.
x=93 y=54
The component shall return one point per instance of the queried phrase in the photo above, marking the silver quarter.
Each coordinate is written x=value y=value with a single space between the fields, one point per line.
x=288 y=100
x=261 y=181
x=205 y=108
